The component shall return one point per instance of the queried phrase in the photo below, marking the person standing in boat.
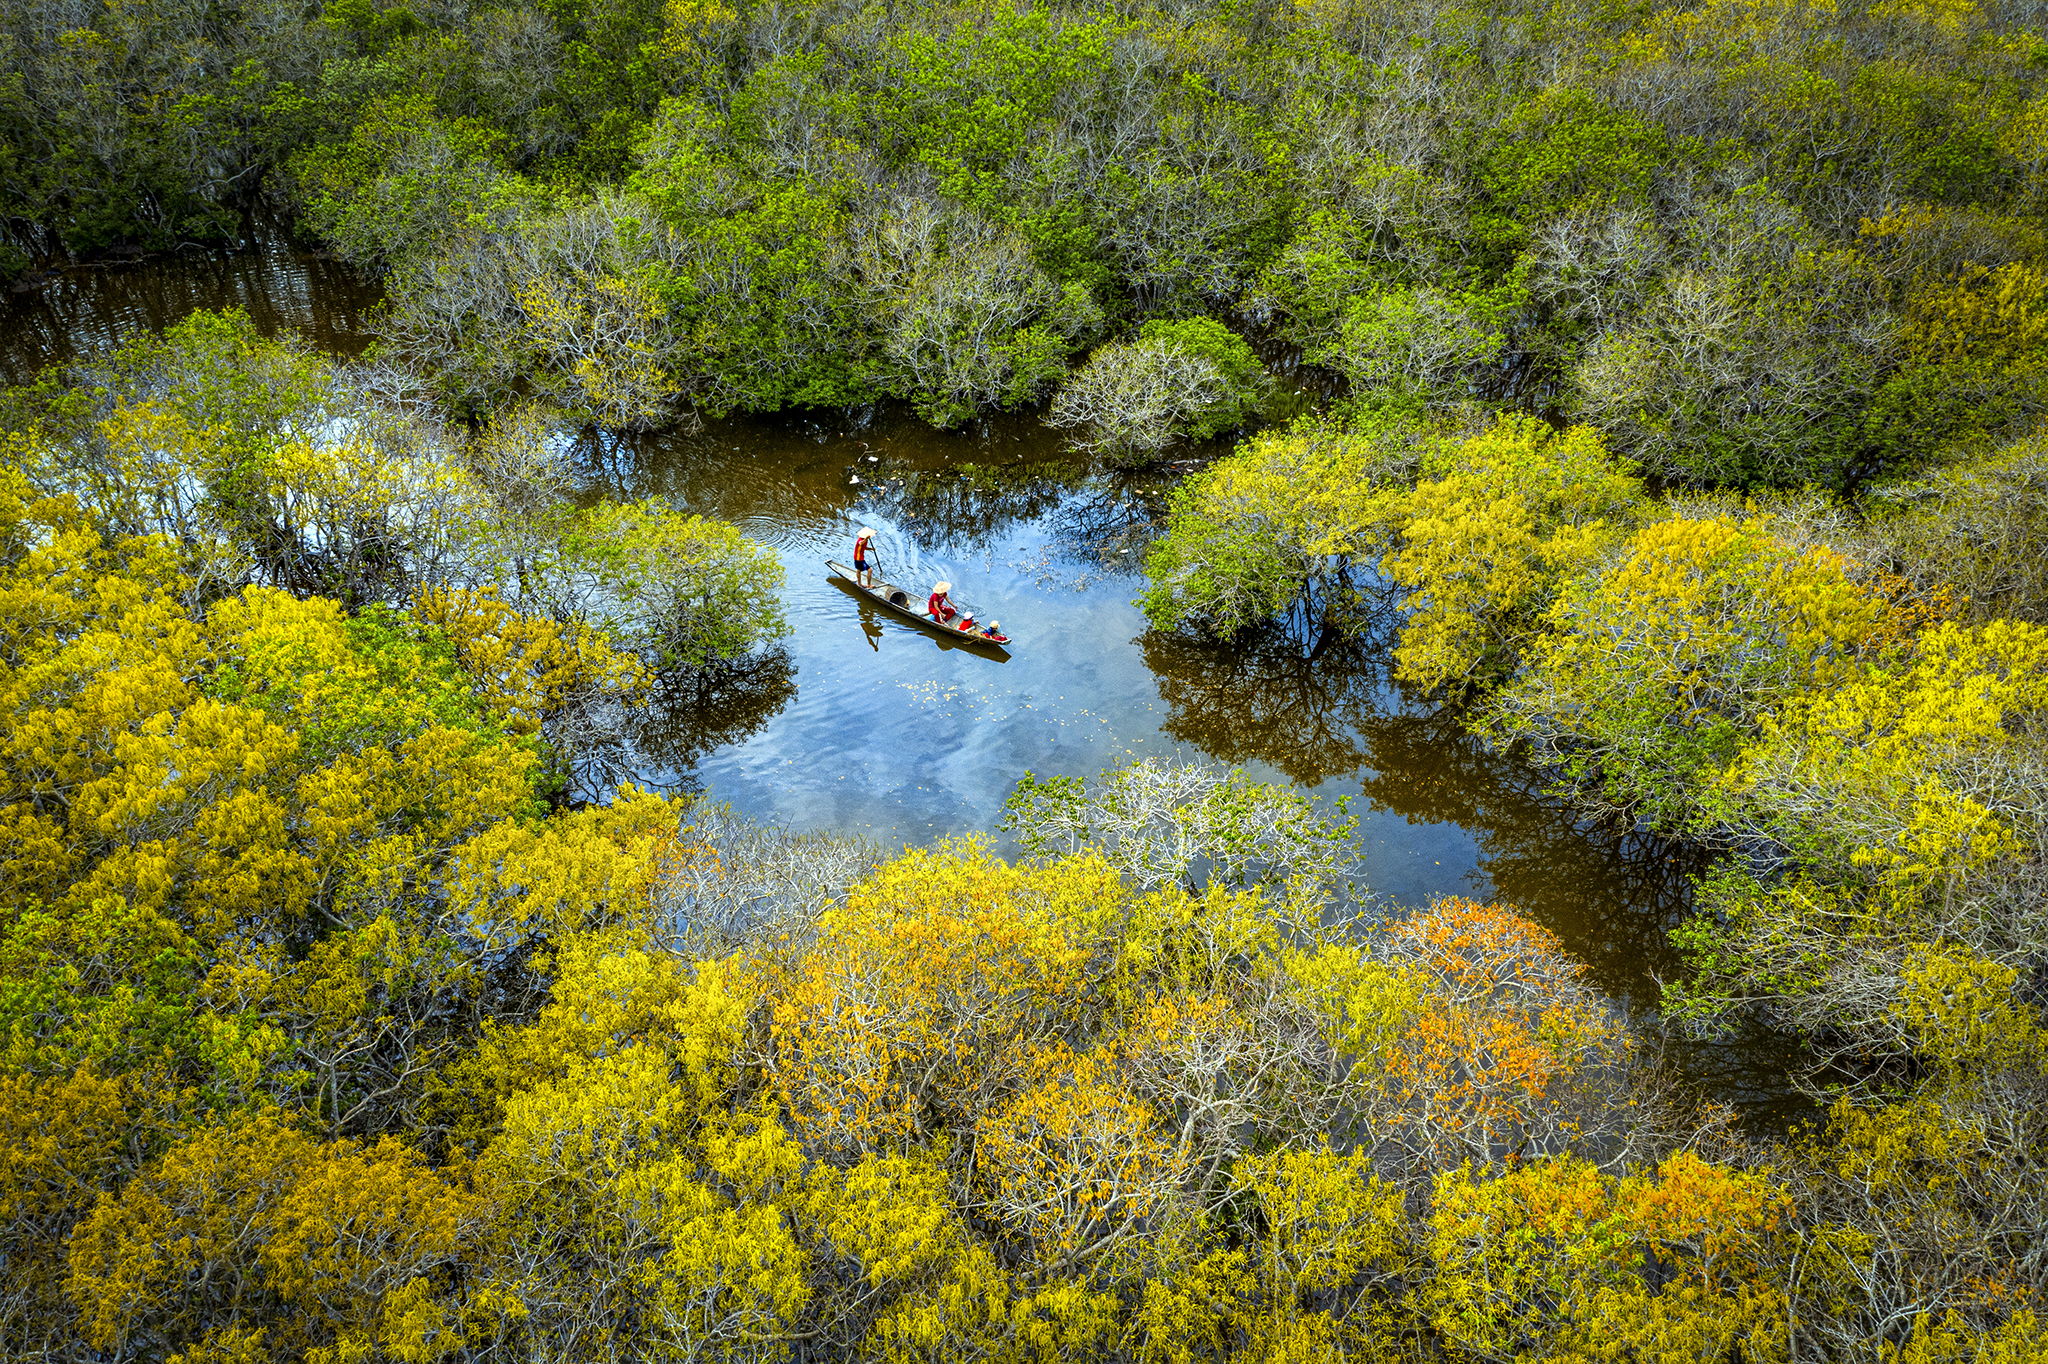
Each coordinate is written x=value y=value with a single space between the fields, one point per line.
x=862 y=552
x=940 y=607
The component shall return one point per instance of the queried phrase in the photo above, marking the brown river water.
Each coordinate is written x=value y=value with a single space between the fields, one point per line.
x=864 y=723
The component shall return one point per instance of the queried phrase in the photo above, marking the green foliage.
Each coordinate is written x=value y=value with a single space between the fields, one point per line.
x=1563 y=148
x=679 y=588
x=1758 y=364
x=1270 y=527
x=1243 y=376
x=971 y=97
x=1974 y=530
x=1189 y=379
x=1155 y=822
x=402 y=179
x=1656 y=221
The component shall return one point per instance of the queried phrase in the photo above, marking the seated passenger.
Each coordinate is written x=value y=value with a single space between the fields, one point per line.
x=940 y=606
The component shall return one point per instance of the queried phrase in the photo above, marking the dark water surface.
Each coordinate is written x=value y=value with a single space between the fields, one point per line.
x=89 y=308
x=865 y=723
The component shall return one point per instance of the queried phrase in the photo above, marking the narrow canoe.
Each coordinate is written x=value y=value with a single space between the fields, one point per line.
x=911 y=607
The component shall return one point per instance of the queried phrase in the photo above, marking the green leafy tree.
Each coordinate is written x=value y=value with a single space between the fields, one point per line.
x=681 y=589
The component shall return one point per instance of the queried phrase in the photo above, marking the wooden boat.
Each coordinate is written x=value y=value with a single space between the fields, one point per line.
x=910 y=606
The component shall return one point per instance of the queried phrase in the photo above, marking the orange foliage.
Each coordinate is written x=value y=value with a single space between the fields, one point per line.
x=1508 y=1025
x=1707 y=1220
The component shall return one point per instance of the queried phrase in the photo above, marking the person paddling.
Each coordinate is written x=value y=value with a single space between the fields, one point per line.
x=861 y=550
x=940 y=607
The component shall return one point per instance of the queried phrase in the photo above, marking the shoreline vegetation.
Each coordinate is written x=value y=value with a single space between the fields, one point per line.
x=1688 y=374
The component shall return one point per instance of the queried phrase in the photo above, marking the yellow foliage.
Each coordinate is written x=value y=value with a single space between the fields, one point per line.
x=619 y=1193
x=577 y=1136
x=1949 y=17
x=2019 y=1339
x=1892 y=1147
x=1738 y=37
x=1185 y=1314
x=1963 y=1012
x=1676 y=574
x=602 y=328
x=1485 y=542
x=1558 y=1251
x=59 y=1137
x=928 y=987
x=693 y=34
x=526 y=668
x=893 y=1214
x=1371 y=1003
x=1077 y=1164
x=235 y=1213
x=730 y=1274
x=226 y=1345
x=961 y=1313
x=1994 y=320
x=1666 y=658
x=1682 y=1324
x=1064 y=1321
x=1327 y=1219
x=1889 y=752
x=2025 y=140
x=591 y=868
x=1255 y=532
x=226 y=770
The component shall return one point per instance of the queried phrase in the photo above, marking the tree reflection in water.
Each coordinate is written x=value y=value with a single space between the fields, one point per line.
x=1109 y=522
x=1331 y=711
x=693 y=712
x=1263 y=698
x=969 y=507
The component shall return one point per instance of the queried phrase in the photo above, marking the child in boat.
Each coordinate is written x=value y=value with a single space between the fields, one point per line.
x=993 y=631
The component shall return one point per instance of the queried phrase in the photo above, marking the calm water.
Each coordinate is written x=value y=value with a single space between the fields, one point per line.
x=865 y=723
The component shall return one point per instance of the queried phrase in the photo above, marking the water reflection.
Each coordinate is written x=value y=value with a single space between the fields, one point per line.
x=1324 y=712
x=690 y=714
x=277 y=281
x=1265 y=699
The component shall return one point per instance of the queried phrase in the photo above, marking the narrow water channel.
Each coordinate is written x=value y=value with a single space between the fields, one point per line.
x=864 y=723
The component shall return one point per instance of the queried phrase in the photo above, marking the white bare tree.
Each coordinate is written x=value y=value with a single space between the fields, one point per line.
x=1135 y=398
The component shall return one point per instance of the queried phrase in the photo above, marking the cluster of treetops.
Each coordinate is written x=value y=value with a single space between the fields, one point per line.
x=350 y=1012
x=353 y=1013
x=1749 y=240
x=337 y=1027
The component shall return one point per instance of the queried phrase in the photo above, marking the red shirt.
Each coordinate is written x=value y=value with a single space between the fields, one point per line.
x=939 y=606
